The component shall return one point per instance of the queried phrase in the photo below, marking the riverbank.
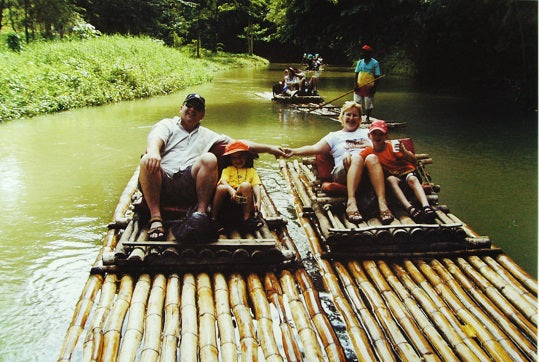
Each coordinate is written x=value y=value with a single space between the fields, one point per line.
x=49 y=77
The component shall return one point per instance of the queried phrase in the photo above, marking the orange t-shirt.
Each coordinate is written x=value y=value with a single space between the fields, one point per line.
x=393 y=163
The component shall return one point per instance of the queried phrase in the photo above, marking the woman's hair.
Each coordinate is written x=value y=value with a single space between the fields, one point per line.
x=346 y=106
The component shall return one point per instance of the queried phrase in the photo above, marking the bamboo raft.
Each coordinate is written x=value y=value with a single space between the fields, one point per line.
x=297 y=99
x=390 y=306
x=332 y=112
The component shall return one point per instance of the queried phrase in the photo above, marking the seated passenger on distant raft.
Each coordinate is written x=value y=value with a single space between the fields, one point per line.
x=399 y=166
x=239 y=189
x=345 y=146
x=294 y=83
x=179 y=169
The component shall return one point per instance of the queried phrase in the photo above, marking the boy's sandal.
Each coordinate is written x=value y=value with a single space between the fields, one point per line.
x=156 y=233
x=386 y=217
x=429 y=214
x=354 y=216
x=415 y=213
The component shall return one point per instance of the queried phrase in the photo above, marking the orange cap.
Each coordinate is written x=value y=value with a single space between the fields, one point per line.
x=236 y=146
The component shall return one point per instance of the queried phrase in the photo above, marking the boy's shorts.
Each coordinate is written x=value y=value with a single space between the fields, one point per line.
x=180 y=189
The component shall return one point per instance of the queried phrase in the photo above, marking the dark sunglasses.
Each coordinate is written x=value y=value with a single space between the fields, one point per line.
x=196 y=106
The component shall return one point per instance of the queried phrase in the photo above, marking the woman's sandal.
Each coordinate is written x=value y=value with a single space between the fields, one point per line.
x=429 y=215
x=156 y=233
x=415 y=213
x=354 y=216
x=386 y=217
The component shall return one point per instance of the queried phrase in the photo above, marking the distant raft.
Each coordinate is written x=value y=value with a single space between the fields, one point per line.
x=297 y=99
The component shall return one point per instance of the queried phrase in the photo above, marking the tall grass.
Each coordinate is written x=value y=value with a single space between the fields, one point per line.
x=54 y=76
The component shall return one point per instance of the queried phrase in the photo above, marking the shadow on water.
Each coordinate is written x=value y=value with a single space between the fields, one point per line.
x=61 y=176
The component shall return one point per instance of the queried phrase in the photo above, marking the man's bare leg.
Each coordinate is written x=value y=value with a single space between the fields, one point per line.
x=150 y=182
x=205 y=173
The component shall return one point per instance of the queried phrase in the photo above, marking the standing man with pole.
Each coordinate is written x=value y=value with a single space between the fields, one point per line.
x=365 y=80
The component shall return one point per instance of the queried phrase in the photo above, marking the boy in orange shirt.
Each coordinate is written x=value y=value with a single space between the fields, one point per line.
x=399 y=166
x=239 y=184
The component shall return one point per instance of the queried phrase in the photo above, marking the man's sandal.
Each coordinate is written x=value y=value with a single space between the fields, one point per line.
x=156 y=233
x=386 y=217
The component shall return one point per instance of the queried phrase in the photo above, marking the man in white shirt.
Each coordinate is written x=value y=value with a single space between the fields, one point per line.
x=179 y=168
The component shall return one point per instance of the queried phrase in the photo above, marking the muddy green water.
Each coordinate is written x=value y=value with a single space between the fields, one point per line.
x=61 y=177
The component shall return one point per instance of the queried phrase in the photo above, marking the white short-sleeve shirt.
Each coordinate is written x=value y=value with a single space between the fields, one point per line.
x=342 y=142
x=182 y=148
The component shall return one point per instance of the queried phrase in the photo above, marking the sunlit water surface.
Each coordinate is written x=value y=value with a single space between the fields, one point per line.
x=61 y=177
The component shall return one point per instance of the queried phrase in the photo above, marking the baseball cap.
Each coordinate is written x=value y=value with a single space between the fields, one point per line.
x=196 y=98
x=236 y=146
x=366 y=47
x=378 y=125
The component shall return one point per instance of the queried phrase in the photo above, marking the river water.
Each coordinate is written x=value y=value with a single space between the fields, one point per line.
x=61 y=176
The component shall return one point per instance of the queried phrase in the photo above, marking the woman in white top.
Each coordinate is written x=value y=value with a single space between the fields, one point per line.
x=345 y=145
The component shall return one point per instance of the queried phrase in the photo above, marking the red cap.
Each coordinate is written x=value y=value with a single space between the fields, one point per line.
x=366 y=47
x=378 y=125
x=236 y=146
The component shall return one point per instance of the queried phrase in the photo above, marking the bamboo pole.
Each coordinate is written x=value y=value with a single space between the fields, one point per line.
x=456 y=338
x=354 y=312
x=330 y=341
x=154 y=320
x=392 y=330
x=518 y=272
x=80 y=315
x=427 y=327
x=135 y=322
x=498 y=299
x=263 y=316
x=302 y=322
x=417 y=235
x=491 y=336
x=225 y=324
x=299 y=187
x=171 y=329
x=125 y=199
x=207 y=339
x=508 y=290
x=509 y=278
x=495 y=313
x=244 y=321
x=189 y=321
x=400 y=312
x=113 y=325
x=275 y=296
x=94 y=337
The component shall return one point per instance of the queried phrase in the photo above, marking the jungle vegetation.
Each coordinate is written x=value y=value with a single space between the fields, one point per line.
x=487 y=45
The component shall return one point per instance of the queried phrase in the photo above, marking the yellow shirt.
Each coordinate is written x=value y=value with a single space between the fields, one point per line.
x=235 y=176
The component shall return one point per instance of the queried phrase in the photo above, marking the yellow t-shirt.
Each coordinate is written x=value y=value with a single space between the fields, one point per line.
x=235 y=176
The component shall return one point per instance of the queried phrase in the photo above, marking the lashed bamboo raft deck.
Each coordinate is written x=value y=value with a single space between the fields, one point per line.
x=134 y=253
x=297 y=99
x=388 y=307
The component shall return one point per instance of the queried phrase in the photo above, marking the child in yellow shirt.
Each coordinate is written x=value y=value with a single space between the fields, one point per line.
x=240 y=186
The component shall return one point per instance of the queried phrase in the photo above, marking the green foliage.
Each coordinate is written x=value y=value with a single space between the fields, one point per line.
x=54 y=76
x=14 y=42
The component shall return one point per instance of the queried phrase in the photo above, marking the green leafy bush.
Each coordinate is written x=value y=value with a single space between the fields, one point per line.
x=55 y=76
